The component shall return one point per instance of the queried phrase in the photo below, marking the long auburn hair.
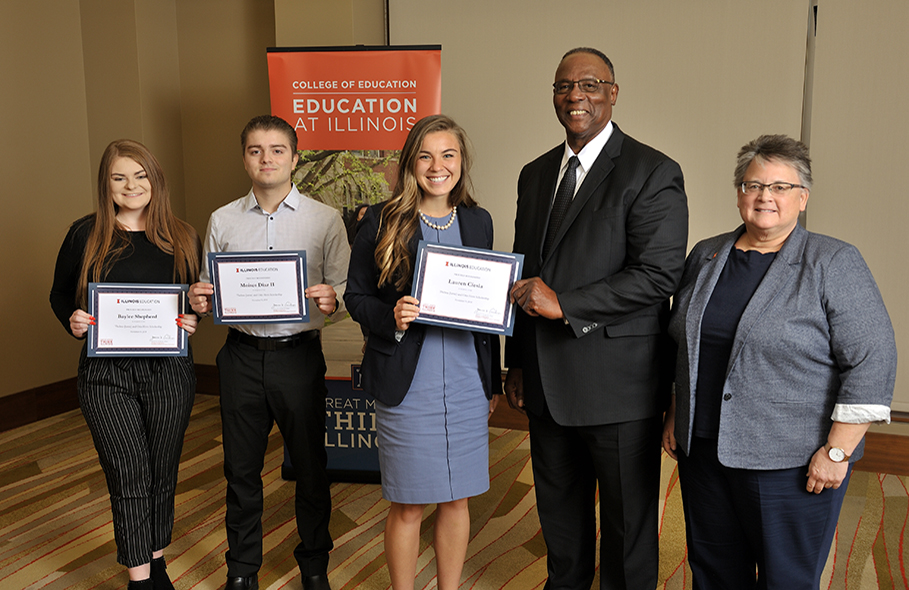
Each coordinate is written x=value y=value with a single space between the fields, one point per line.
x=400 y=215
x=108 y=239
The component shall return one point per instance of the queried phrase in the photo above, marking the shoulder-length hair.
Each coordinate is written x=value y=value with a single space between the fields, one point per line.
x=400 y=215
x=108 y=239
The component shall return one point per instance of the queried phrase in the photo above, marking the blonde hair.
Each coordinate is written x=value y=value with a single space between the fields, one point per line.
x=108 y=240
x=400 y=215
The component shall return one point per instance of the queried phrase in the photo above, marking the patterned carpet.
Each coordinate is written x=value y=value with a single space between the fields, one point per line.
x=55 y=528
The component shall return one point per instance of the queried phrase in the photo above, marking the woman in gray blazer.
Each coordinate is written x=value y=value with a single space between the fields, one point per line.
x=786 y=355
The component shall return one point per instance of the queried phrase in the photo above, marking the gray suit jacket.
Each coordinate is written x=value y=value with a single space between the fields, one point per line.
x=815 y=334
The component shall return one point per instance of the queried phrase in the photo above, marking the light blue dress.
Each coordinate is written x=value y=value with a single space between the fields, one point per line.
x=434 y=446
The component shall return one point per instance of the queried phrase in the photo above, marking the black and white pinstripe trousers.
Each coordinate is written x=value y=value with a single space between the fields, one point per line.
x=137 y=409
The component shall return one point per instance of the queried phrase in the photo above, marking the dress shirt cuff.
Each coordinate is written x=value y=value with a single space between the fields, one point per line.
x=860 y=413
x=339 y=295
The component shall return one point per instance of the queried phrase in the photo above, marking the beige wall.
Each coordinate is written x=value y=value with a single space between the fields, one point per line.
x=183 y=78
x=858 y=143
x=47 y=181
x=224 y=83
x=132 y=83
x=321 y=23
x=697 y=80
x=681 y=67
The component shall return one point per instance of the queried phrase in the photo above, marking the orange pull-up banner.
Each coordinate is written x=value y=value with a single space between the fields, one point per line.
x=355 y=98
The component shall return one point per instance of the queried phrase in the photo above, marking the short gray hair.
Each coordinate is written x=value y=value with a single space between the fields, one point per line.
x=780 y=148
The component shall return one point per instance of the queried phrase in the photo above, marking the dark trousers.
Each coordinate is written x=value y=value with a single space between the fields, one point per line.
x=137 y=410
x=568 y=465
x=258 y=389
x=739 y=520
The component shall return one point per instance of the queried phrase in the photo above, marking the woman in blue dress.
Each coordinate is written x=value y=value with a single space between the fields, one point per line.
x=434 y=387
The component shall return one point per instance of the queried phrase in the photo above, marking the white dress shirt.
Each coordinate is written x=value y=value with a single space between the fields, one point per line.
x=299 y=223
x=587 y=156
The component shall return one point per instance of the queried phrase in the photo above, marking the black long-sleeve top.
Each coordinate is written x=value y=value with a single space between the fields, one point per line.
x=738 y=281
x=141 y=262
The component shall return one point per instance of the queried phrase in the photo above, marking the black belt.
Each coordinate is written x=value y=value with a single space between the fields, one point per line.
x=278 y=343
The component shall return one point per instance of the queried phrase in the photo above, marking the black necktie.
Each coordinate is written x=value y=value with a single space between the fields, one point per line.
x=564 y=195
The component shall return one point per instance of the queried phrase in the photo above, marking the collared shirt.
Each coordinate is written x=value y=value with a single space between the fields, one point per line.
x=587 y=156
x=299 y=223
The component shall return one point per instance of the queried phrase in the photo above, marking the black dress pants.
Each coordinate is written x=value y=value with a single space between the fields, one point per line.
x=259 y=389
x=137 y=410
x=569 y=464
x=741 y=520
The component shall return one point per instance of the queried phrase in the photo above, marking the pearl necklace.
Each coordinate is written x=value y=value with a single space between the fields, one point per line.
x=454 y=213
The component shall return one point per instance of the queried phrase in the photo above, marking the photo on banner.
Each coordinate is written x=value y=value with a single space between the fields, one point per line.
x=352 y=108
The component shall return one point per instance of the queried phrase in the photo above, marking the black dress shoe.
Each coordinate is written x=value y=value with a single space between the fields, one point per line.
x=159 y=575
x=247 y=583
x=317 y=582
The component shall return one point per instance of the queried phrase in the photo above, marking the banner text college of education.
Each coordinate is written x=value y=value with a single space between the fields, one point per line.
x=355 y=98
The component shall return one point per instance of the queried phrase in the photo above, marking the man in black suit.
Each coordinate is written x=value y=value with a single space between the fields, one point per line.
x=603 y=253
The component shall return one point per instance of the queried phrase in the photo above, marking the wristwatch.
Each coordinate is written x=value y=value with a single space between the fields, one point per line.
x=836 y=454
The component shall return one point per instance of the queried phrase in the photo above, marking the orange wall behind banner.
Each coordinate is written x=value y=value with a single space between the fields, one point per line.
x=355 y=98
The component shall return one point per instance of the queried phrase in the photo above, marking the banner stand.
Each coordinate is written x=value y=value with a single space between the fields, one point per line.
x=350 y=433
x=352 y=108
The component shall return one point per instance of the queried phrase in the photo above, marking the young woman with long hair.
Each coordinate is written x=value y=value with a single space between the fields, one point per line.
x=434 y=386
x=137 y=408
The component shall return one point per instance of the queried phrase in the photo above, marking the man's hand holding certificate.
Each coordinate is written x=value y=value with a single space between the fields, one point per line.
x=258 y=287
x=466 y=288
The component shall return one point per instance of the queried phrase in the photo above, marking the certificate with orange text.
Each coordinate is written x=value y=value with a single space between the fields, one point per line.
x=466 y=288
x=258 y=287
x=136 y=319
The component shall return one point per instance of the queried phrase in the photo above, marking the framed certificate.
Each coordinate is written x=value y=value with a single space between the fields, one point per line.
x=134 y=319
x=258 y=287
x=466 y=288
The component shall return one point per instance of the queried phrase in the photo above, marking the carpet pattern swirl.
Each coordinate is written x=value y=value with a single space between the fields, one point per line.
x=56 y=532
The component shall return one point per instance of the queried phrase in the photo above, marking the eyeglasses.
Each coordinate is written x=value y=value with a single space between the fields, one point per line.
x=777 y=189
x=587 y=85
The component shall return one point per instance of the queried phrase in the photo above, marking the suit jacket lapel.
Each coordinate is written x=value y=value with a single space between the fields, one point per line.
x=546 y=189
x=472 y=233
x=415 y=240
x=601 y=168
x=781 y=271
x=703 y=289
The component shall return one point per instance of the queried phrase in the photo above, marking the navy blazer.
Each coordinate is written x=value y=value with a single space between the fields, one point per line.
x=615 y=262
x=388 y=364
x=815 y=334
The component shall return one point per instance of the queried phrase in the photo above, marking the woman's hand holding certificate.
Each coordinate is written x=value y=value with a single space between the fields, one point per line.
x=467 y=288
x=136 y=320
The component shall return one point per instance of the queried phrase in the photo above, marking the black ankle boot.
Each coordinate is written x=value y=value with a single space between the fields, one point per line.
x=146 y=584
x=159 y=575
